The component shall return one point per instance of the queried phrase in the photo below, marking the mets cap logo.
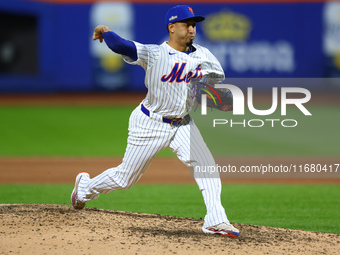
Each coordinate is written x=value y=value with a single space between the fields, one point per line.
x=190 y=10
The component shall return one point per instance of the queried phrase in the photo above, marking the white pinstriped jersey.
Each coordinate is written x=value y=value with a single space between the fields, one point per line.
x=168 y=74
x=170 y=94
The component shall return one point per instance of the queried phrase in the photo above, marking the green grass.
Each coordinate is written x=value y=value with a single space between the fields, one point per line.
x=64 y=131
x=102 y=131
x=307 y=207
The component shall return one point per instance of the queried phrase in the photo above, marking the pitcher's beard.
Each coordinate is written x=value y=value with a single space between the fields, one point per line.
x=190 y=43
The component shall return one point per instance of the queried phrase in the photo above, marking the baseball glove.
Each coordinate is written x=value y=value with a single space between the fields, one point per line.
x=216 y=98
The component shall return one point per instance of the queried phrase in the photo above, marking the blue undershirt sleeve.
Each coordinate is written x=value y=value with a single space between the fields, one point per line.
x=119 y=45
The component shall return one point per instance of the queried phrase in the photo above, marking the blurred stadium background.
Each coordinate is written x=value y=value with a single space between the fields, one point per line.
x=46 y=45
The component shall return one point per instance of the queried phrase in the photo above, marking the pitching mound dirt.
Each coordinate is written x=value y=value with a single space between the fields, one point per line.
x=57 y=229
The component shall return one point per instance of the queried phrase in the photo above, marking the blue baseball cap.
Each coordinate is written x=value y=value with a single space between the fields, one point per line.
x=181 y=12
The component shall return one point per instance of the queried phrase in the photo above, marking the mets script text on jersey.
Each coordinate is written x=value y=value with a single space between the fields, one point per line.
x=177 y=72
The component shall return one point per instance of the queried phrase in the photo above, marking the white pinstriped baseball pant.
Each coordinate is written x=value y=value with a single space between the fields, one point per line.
x=148 y=136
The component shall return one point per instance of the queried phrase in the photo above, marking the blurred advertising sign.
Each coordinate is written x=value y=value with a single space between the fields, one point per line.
x=229 y=38
x=110 y=71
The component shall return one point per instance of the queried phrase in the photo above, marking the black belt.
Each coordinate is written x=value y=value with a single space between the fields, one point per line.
x=172 y=122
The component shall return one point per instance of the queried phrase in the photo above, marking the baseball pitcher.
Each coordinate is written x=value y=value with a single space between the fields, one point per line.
x=162 y=119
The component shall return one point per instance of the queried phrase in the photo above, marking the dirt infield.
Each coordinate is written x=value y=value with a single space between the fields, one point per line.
x=61 y=170
x=56 y=229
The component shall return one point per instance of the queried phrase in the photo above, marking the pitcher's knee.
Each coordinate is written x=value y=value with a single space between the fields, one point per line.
x=125 y=185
